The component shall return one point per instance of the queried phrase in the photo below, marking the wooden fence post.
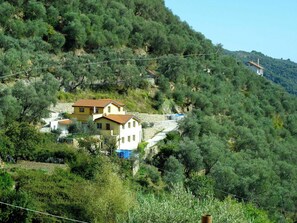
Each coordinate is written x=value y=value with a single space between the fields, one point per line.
x=206 y=219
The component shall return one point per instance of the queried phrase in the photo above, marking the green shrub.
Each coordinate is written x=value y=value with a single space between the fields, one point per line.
x=6 y=181
x=256 y=215
x=201 y=186
x=141 y=147
x=58 y=154
x=145 y=125
x=150 y=178
x=181 y=206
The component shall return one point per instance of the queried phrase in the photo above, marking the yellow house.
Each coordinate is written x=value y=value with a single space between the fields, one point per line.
x=86 y=108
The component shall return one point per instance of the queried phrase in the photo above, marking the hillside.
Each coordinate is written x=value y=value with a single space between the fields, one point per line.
x=280 y=71
x=238 y=138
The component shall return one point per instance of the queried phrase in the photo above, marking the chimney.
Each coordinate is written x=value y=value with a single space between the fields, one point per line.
x=258 y=61
x=206 y=219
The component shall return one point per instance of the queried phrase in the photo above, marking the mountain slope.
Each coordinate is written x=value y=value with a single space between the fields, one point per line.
x=282 y=72
x=240 y=130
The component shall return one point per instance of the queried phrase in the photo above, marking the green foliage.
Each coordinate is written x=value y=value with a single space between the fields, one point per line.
x=135 y=100
x=173 y=136
x=232 y=144
x=75 y=127
x=12 y=214
x=35 y=10
x=181 y=206
x=201 y=186
x=6 y=182
x=190 y=156
x=213 y=150
x=57 y=40
x=9 y=107
x=107 y=198
x=141 y=147
x=150 y=178
x=173 y=171
x=257 y=215
x=280 y=71
x=109 y=26
x=159 y=100
x=24 y=141
x=75 y=30
x=86 y=166
x=109 y=145
x=91 y=144
x=24 y=138
x=41 y=94
x=7 y=11
x=91 y=126
x=239 y=134
x=51 y=152
x=103 y=199
x=7 y=150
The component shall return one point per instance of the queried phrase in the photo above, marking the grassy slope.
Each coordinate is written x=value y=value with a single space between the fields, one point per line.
x=137 y=100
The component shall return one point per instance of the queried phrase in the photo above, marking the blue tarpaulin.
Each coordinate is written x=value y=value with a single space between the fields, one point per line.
x=126 y=154
x=176 y=117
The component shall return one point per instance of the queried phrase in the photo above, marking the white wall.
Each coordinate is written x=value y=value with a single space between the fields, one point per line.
x=132 y=131
x=54 y=125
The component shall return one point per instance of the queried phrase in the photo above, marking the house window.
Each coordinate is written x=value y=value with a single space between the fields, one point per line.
x=96 y=110
x=133 y=137
x=99 y=125
x=123 y=126
x=107 y=126
x=119 y=109
x=123 y=139
x=81 y=109
x=134 y=123
x=108 y=109
x=129 y=138
x=129 y=125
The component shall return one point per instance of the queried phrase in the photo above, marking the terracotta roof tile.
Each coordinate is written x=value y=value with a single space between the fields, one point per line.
x=101 y=103
x=65 y=122
x=255 y=64
x=121 y=119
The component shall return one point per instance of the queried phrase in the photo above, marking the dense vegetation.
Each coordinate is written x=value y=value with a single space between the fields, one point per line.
x=86 y=44
x=238 y=139
x=280 y=71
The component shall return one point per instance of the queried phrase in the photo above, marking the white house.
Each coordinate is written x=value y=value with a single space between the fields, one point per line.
x=111 y=120
x=126 y=128
x=61 y=125
x=256 y=67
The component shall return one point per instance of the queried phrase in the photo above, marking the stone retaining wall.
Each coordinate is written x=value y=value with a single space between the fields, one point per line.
x=145 y=117
x=62 y=107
